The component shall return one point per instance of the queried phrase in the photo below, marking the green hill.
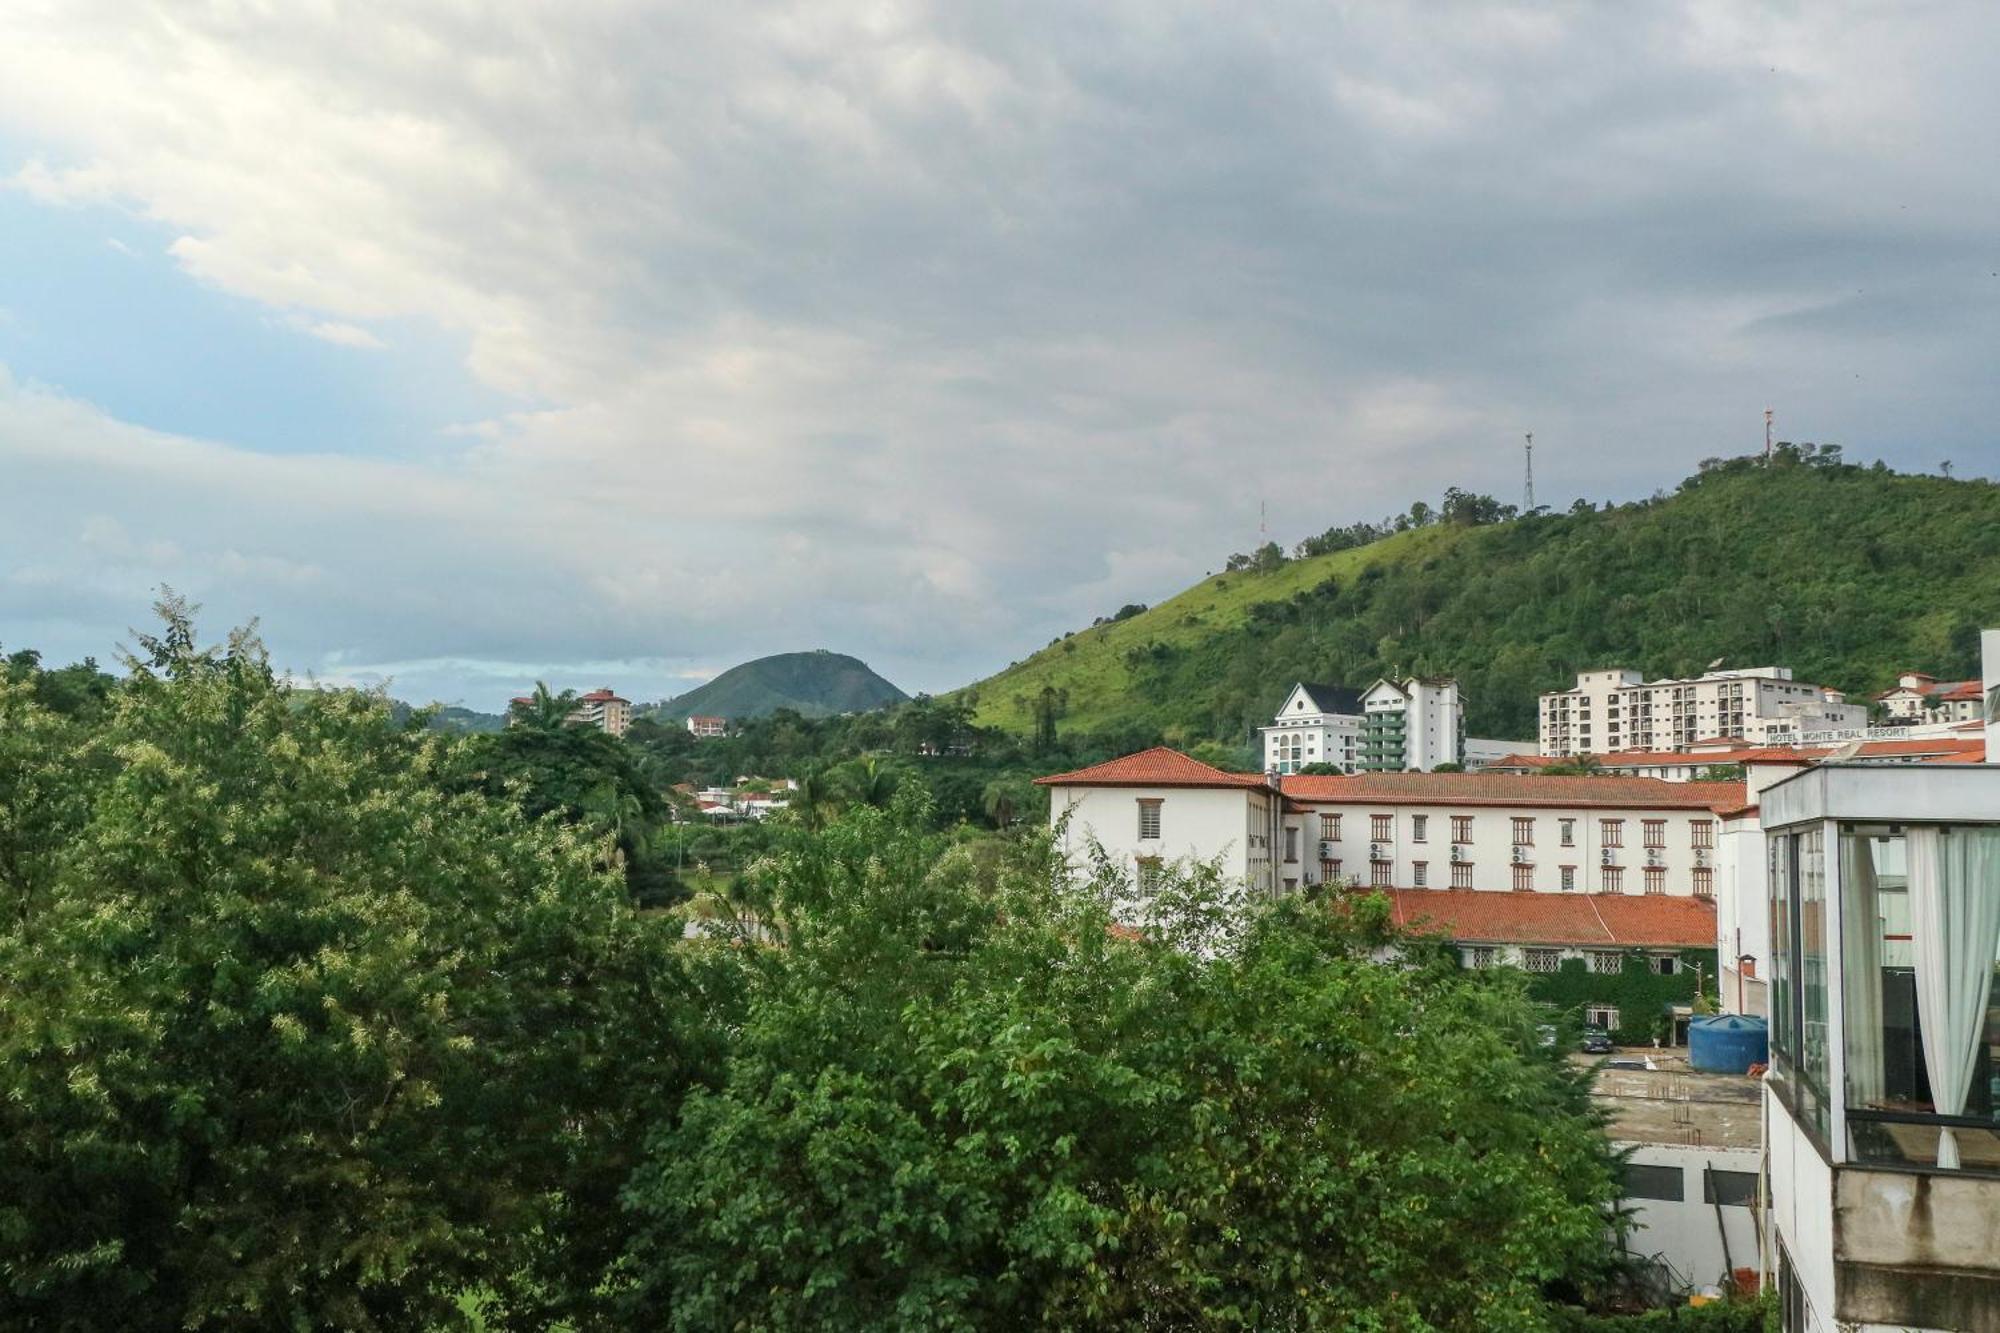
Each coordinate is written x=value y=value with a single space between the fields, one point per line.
x=1845 y=574
x=815 y=684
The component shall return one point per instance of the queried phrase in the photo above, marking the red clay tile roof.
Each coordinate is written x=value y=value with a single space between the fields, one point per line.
x=599 y=697
x=1653 y=920
x=1157 y=767
x=1512 y=789
x=1945 y=689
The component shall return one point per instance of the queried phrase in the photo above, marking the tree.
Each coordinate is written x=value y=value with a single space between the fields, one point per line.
x=294 y=1036
x=965 y=1096
x=543 y=710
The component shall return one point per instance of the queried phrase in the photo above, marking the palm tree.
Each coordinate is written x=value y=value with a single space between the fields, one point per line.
x=812 y=798
x=543 y=711
x=870 y=783
x=621 y=817
x=1003 y=799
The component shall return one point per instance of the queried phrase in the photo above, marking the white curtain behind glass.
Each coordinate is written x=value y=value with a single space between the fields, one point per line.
x=1861 y=963
x=1955 y=918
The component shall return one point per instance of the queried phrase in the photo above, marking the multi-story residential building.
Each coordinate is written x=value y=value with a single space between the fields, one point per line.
x=1883 y=1102
x=708 y=726
x=1918 y=698
x=1873 y=892
x=604 y=710
x=1317 y=724
x=1412 y=724
x=1617 y=709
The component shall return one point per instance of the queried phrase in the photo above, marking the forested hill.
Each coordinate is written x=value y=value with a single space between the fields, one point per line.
x=1846 y=574
x=815 y=684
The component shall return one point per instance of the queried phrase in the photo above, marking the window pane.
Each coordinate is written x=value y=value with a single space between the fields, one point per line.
x=1655 y=1182
x=1784 y=1013
x=1732 y=1189
x=1813 y=1053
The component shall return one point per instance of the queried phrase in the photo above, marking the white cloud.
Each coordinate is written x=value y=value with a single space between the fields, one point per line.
x=340 y=334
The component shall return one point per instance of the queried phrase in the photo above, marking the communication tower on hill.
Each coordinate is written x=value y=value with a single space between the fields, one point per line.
x=1528 y=486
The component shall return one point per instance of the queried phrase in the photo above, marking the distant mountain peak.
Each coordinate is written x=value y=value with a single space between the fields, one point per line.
x=817 y=682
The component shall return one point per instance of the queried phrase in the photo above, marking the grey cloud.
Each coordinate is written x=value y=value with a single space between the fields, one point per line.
x=928 y=331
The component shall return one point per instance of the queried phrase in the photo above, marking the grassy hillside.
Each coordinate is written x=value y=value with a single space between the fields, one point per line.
x=1846 y=574
x=815 y=684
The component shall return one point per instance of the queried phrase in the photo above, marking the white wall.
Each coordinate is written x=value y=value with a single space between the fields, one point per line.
x=1196 y=824
x=1321 y=738
x=1801 y=1216
x=1685 y=1235
x=1743 y=919
x=1491 y=849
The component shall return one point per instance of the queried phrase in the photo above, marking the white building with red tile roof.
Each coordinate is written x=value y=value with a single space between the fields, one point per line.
x=1160 y=806
x=706 y=727
x=1921 y=698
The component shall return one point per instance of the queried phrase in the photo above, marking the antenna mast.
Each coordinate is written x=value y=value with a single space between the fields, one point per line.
x=1767 y=435
x=1528 y=487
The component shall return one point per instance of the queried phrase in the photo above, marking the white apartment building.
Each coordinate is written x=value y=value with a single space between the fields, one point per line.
x=1617 y=709
x=1883 y=1101
x=1411 y=725
x=1393 y=726
x=1317 y=724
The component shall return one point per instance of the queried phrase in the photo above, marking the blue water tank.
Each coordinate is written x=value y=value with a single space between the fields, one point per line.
x=1728 y=1043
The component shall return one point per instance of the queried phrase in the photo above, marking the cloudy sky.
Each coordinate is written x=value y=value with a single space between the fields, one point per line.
x=467 y=343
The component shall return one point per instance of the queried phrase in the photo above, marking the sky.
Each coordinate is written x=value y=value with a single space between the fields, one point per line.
x=467 y=343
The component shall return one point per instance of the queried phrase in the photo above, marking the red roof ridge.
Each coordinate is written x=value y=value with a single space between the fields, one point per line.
x=1161 y=766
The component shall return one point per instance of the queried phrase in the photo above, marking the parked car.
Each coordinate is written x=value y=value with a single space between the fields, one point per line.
x=1596 y=1041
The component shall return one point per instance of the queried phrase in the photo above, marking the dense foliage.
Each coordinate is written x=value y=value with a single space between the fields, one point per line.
x=1846 y=574
x=298 y=1033
x=318 y=1018
x=963 y=1096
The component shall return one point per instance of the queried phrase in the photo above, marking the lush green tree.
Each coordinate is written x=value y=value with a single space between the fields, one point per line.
x=295 y=1035
x=583 y=777
x=963 y=1094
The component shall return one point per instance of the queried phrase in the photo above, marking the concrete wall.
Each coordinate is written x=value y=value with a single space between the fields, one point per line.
x=1917 y=1250
x=1685 y=1236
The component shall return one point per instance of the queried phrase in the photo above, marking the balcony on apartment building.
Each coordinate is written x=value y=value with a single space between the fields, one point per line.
x=1884 y=889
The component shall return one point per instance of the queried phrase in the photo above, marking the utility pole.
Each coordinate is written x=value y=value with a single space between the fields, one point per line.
x=1767 y=435
x=1528 y=489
